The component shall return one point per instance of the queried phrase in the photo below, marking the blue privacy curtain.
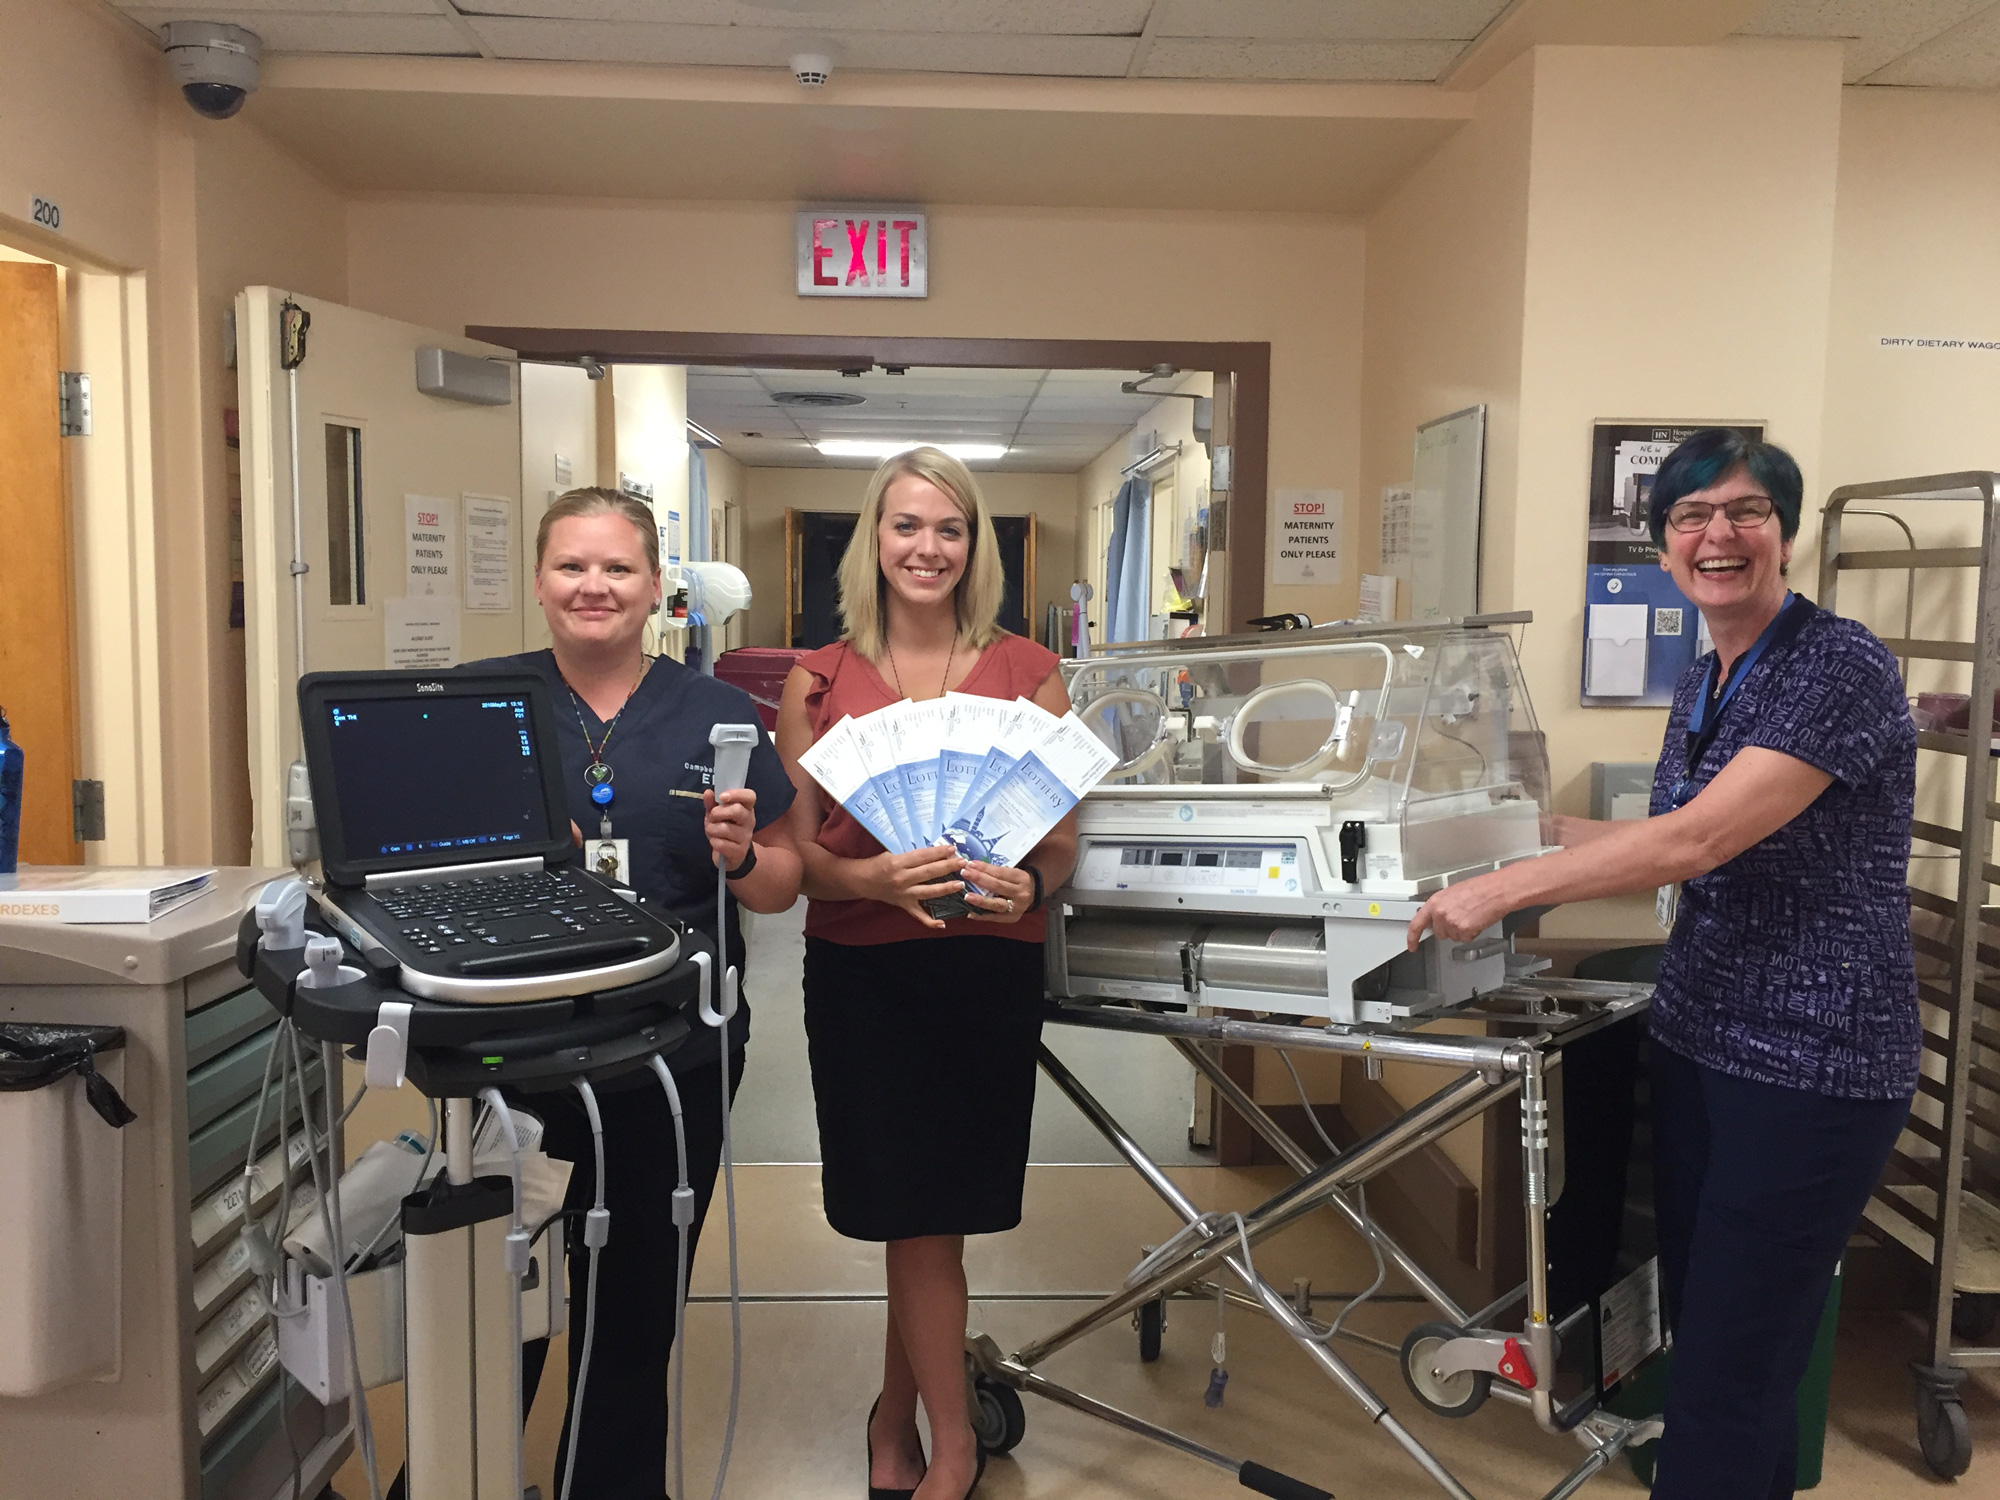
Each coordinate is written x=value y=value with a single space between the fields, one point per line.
x=1125 y=563
x=694 y=546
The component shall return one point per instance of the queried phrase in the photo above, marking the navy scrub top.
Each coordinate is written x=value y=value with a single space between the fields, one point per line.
x=661 y=762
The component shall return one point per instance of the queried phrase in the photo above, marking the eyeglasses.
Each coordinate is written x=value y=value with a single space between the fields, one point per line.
x=1744 y=511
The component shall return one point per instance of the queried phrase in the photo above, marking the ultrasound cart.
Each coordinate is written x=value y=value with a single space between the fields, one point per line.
x=1281 y=809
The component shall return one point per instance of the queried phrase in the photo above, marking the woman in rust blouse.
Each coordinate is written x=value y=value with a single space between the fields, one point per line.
x=922 y=1033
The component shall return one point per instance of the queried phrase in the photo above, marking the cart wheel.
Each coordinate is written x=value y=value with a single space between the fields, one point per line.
x=1943 y=1434
x=998 y=1420
x=1973 y=1315
x=1152 y=1324
x=1457 y=1395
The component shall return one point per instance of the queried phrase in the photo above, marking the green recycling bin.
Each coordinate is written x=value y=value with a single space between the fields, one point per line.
x=1646 y=1394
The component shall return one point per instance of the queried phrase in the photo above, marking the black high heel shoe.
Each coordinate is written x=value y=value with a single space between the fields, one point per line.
x=978 y=1473
x=876 y=1492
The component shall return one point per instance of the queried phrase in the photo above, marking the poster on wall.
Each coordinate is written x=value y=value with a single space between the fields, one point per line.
x=419 y=634
x=1307 y=543
x=1640 y=631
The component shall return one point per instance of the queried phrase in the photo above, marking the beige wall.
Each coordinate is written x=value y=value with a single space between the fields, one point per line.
x=1708 y=300
x=1291 y=280
x=1603 y=242
x=769 y=493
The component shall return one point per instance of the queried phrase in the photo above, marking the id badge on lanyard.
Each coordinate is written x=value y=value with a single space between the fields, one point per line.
x=1705 y=722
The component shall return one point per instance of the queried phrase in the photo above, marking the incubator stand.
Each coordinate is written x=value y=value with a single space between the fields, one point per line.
x=1281 y=808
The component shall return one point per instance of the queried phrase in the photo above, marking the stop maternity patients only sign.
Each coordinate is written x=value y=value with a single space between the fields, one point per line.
x=1306 y=542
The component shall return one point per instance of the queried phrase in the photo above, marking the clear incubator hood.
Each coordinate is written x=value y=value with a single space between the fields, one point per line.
x=1416 y=741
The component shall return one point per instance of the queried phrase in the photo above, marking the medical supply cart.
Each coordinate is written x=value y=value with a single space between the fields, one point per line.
x=191 y=1410
x=1281 y=808
x=1940 y=1198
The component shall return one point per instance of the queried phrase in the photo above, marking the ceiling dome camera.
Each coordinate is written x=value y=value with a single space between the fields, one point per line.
x=214 y=64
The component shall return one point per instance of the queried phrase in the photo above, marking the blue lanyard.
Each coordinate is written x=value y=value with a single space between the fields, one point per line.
x=1703 y=725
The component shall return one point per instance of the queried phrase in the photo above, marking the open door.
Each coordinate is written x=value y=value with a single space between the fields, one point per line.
x=37 y=642
x=408 y=507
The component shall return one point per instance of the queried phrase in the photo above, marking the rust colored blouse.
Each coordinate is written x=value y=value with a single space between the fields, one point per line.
x=846 y=684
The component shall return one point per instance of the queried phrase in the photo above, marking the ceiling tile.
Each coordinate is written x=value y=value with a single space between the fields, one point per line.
x=281 y=7
x=1030 y=17
x=1342 y=20
x=1330 y=62
x=1877 y=32
x=1966 y=57
x=292 y=31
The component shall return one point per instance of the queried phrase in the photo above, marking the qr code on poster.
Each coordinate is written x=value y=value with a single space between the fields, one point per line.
x=1666 y=622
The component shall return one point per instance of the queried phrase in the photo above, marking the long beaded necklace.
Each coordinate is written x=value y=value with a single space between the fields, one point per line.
x=597 y=775
x=943 y=687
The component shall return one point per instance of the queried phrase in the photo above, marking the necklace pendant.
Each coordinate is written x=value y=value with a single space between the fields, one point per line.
x=597 y=773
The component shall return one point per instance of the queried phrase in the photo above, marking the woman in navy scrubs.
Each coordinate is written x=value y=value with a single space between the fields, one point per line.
x=1784 y=1028
x=633 y=733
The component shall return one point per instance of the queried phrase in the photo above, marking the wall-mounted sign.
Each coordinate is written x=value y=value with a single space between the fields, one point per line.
x=862 y=250
x=1306 y=544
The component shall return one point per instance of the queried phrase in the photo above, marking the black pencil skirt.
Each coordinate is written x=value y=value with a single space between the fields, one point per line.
x=923 y=1069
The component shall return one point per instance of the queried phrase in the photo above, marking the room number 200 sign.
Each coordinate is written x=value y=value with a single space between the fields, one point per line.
x=852 y=250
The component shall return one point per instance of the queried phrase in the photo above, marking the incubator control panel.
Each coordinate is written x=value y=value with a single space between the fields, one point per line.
x=1249 y=869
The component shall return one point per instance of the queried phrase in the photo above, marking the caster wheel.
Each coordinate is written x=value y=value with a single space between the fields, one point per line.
x=997 y=1419
x=1456 y=1395
x=1152 y=1325
x=1943 y=1434
x=1974 y=1314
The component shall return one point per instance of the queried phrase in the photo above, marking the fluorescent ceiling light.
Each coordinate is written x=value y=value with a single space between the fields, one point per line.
x=878 y=448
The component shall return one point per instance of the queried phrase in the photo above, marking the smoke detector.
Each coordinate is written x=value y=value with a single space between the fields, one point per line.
x=812 y=69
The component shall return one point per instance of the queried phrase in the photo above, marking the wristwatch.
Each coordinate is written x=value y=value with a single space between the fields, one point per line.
x=749 y=864
x=1035 y=874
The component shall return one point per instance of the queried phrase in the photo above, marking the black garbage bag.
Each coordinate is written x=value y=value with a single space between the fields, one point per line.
x=33 y=1057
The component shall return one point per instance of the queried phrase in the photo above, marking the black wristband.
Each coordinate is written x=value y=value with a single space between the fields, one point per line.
x=749 y=864
x=1035 y=874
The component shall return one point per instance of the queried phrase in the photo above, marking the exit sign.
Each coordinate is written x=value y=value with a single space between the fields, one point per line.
x=856 y=250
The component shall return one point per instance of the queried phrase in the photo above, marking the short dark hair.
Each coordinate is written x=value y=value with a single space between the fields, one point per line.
x=1710 y=456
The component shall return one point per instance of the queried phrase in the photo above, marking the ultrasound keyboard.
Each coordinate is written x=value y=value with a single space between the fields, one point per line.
x=504 y=924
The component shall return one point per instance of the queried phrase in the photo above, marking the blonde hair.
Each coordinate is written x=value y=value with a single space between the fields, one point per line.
x=597 y=501
x=981 y=587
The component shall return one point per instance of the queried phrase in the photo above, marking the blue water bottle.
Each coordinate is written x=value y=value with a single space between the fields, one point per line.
x=10 y=798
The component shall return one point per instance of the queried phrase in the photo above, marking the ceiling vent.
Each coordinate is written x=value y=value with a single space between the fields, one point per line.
x=818 y=398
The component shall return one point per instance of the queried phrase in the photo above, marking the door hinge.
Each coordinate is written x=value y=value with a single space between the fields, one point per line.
x=86 y=800
x=73 y=403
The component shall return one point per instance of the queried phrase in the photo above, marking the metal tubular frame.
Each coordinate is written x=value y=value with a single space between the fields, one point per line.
x=1214 y=1256
x=1973 y=840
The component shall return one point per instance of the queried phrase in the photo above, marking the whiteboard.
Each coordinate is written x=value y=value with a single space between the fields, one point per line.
x=1447 y=510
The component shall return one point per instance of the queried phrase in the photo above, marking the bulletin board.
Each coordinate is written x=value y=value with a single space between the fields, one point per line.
x=1447 y=513
x=1640 y=631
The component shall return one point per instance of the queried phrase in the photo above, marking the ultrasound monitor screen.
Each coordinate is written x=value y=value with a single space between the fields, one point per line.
x=436 y=776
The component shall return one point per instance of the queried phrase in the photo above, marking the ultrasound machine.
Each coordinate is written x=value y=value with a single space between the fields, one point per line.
x=449 y=940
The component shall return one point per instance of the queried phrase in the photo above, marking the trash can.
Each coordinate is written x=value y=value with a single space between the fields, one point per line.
x=62 y=1179
x=1646 y=1396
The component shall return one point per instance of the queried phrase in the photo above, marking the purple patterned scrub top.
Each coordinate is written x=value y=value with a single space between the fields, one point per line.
x=1791 y=964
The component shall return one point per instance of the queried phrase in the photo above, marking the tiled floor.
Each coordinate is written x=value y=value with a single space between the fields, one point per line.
x=812 y=1331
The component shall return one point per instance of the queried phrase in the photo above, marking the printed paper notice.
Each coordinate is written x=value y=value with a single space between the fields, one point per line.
x=1307 y=542
x=1378 y=596
x=428 y=534
x=489 y=552
x=1628 y=1323
x=1397 y=500
x=418 y=634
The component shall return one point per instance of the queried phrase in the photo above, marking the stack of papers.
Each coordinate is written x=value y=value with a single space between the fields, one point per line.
x=985 y=776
